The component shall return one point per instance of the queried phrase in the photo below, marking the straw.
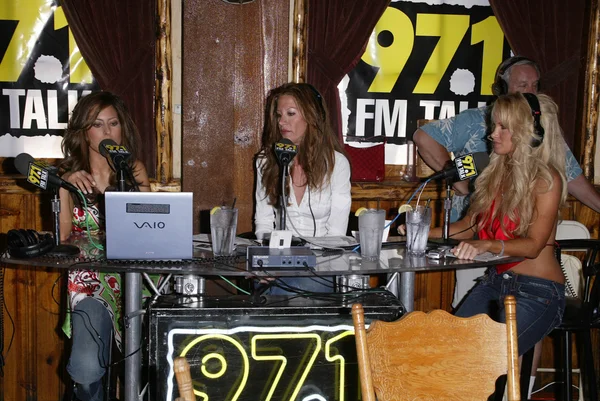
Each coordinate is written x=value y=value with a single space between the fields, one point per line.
x=421 y=193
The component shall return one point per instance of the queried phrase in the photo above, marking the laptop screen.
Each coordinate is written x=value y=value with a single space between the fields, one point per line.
x=149 y=225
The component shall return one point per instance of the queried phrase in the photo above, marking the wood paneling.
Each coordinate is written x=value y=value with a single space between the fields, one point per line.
x=230 y=62
x=34 y=347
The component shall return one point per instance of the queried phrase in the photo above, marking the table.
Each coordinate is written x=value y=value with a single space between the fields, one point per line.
x=393 y=259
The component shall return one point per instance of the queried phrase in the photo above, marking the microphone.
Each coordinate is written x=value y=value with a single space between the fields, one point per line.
x=41 y=174
x=118 y=154
x=463 y=167
x=285 y=150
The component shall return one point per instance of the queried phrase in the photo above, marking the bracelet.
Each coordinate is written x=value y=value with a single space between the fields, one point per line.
x=502 y=251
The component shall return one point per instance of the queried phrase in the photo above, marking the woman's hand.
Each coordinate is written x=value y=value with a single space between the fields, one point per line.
x=402 y=229
x=470 y=249
x=82 y=180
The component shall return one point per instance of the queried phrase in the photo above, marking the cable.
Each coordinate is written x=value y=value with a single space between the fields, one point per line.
x=87 y=223
x=311 y=213
x=462 y=231
x=234 y=286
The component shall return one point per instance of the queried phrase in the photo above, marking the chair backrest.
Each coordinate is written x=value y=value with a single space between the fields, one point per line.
x=571 y=229
x=571 y=265
x=436 y=356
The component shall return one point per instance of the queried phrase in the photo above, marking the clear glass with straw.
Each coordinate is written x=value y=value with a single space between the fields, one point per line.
x=418 y=222
x=223 y=226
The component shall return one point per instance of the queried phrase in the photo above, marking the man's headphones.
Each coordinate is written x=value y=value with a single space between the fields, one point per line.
x=538 y=130
x=500 y=87
x=28 y=243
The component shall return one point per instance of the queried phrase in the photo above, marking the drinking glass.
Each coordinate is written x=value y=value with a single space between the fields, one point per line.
x=370 y=229
x=418 y=222
x=223 y=225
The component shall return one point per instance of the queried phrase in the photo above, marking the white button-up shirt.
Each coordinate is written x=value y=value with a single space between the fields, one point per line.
x=329 y=204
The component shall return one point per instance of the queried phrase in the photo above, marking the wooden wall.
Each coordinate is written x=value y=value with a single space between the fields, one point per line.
x=34 y=346
x=230 y=61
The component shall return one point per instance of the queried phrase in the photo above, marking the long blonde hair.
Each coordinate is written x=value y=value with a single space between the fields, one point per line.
x=509 y=181
x=316 y=154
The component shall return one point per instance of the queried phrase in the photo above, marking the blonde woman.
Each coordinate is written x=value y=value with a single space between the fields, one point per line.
x=514 y=212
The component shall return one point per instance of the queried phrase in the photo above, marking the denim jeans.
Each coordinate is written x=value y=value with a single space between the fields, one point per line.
x=308 y=284
x=540 y=303
x=90 y=353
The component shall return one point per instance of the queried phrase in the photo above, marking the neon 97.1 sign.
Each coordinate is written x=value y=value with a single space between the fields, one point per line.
x=267 y=363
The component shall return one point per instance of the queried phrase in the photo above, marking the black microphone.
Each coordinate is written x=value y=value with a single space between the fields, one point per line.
x=118 y=154
x=40 y=173
x=285 y=150
x=463 y=167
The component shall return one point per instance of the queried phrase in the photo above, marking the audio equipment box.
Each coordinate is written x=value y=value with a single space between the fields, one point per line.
x=292 y=258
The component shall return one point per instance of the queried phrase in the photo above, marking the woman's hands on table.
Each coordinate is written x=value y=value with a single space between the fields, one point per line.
x=470 y=248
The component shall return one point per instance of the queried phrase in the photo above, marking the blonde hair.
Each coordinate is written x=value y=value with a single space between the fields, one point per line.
x=510 y=180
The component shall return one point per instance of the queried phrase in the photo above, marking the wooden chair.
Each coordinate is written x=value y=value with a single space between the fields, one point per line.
x=436 y=356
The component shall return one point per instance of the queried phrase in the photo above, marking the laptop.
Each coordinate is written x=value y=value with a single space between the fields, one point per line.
x=149 y=225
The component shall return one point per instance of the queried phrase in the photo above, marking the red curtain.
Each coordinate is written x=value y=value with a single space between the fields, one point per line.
x=551 y=32
x=117 y=40
x=338 y=31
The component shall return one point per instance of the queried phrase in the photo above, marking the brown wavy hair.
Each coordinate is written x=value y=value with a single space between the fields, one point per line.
x=510 y=180
x=75 y=144
x=316 y=153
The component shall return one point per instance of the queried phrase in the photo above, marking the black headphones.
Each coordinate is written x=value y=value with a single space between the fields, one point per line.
x=319 y=99
x=538 y=130
x=28 y=243
x=500 y=87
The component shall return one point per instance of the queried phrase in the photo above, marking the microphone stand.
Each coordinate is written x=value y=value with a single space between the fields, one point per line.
x=283 y=172
x=447 y=211
x=121 y=179
x=60 y=249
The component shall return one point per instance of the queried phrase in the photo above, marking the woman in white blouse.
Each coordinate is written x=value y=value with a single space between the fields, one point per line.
x=318 y=187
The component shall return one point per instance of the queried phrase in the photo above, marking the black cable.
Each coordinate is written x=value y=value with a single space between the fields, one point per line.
x=462 y=231
x=283 y=200
x=131 y=178
x=311 y=213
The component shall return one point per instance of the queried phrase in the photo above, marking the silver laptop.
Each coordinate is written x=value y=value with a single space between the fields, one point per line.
x=149 y=225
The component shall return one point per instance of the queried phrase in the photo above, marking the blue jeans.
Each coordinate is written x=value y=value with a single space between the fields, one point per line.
x=540 y=303
x=92 y=329
x=308 y=284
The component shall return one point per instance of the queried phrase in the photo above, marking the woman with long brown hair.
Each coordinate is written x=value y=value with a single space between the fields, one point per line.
x=318 y=187
x=95 y=297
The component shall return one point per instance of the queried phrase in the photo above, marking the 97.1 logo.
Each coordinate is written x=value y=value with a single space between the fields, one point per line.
x=450 y=29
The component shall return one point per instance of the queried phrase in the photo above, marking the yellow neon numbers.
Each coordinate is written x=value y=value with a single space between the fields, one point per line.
x=340 y=359
x=245 y=365
x=223 y=360
x=308 y=358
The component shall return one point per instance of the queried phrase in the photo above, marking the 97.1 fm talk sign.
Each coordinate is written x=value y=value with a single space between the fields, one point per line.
x=42 y=76
x=422 y=62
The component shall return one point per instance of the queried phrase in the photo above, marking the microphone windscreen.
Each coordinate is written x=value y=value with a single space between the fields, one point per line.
x=22 y=163
x=103 y=144
x=482 y=159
